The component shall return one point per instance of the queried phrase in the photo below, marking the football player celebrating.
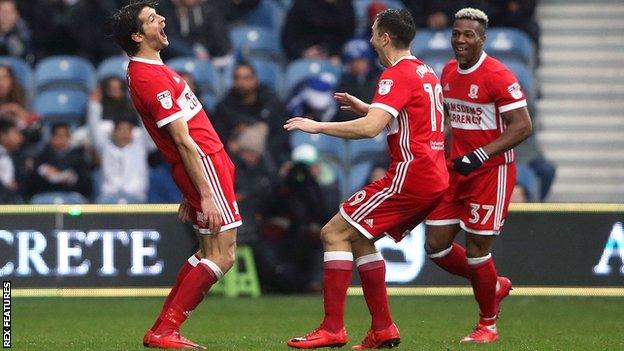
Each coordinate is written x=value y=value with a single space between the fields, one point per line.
x=487 y=111
x=180 y=128
x=408 y=102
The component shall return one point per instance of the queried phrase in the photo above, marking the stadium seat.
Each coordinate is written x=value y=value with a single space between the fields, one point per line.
x=209 y=101
x=428 y=42
x=510 y=44
x=525 y=78
x=68 y=72
x=302 y=69
x=58 y=197
x=255 y=41
x=116 y=66
x=358 y=176
x=329 y=146
x=361 y=12
x=203 y=73
x=266 y=14
x=436 y=60
x=62 y=105
x=269 y=73
x=360 y=150
x=22 y=71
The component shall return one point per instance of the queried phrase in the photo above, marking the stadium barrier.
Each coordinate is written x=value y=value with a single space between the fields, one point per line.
x=129 y=250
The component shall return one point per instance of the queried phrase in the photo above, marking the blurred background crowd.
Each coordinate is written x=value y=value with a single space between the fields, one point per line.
x=69 y=133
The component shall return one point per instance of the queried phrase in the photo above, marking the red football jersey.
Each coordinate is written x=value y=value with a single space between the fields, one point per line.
x=474 y=99
x=411 y=92
x=161 y=96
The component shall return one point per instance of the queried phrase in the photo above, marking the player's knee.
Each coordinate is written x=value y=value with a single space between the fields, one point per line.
x=477 y=249
x=229 y=258
x=434 y=244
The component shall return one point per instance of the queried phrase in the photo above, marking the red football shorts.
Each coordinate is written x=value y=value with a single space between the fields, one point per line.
x=478 y=202
x=376 y=210
x=219 y=170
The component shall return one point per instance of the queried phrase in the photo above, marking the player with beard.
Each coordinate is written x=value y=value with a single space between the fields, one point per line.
x=487 y=111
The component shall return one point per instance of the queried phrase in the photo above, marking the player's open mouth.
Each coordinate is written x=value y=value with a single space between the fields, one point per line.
x=162 y=33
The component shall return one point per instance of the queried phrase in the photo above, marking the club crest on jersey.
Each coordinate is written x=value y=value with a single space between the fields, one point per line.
x=515 y=90
x=474 y=91
x=384 y=86
x=165 y=99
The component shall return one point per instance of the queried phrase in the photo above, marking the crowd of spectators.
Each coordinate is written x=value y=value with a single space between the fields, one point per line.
x=285 y=193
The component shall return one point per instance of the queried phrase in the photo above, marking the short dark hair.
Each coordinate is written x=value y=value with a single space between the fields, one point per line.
x=399 y=25
x=124 y=118
x=58 y=125
x=245 y=63
x=125 y=22
x=6 y=124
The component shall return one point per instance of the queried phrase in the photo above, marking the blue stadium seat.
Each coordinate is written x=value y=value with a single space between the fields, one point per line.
x=69 y=72
x=360 y=150
x=203 y=73
x=209 y=102
x=428 y=42
x=116 y=66
x=361 y=12
x=358 y=176
x=22 y=71
x=436 y=60
x=58 y=197
x=525 y=78
x=267 y=14
x=301 y=69
x=61 y=105
x=510 y=44
x=269 y=73
x=326 y=145
x=256 y=41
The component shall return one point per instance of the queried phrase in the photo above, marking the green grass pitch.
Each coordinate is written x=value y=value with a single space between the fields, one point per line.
x=426 y=323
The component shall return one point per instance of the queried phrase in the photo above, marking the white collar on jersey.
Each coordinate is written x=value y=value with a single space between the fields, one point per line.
x=144 y=60
x=473 y=68
x=409 y=57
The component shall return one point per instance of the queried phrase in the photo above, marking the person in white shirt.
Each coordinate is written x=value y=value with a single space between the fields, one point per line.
x=123 y=154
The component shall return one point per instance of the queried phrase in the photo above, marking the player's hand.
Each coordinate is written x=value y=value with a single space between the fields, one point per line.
x=184 y=211
x=212 y=216
x=303 y=124
x=351 y=103
x=470 y=162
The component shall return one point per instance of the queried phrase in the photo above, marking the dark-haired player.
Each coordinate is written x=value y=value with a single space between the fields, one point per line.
x=176 y=121
x=487 y=111
x=408 y=102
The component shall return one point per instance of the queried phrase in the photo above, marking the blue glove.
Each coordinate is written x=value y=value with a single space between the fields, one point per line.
x=470 y=162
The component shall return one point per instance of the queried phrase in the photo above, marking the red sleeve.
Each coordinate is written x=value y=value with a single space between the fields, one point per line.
x=506 y=91
x=393 y=92
x=159 y=96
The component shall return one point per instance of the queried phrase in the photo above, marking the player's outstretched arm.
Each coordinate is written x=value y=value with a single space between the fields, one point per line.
x=368 y=126
x=519 y=127
x=192 y=164
x=351 y=103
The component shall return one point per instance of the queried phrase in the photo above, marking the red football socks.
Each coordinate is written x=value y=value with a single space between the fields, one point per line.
x=337 y=270
x=372 y=270
x=484 y=278
x=189 y=264
x=452 y=260
x=190 y=293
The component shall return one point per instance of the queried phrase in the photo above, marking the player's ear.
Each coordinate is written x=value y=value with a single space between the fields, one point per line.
x=138 y=37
